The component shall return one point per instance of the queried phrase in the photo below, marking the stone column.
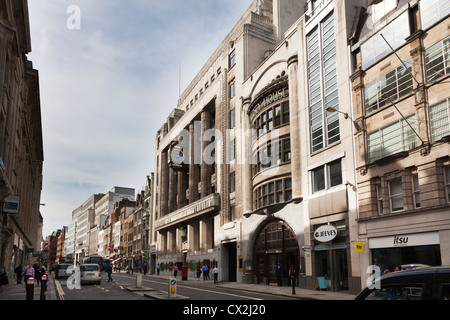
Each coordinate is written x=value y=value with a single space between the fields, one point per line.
x=205 y=168
x=193 y=161
x=294 y=115
x=164 y=210
x=172 y=202
x=246 y=160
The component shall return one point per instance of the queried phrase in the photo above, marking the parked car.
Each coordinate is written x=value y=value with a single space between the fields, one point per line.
x=62 y=270
x=90 y=273
x=426 y=283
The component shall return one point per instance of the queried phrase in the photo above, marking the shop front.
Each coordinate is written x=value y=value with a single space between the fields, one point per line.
x=405 y=249
x=330 y=256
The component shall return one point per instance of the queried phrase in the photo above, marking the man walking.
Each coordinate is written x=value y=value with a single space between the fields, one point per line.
x=216 y=274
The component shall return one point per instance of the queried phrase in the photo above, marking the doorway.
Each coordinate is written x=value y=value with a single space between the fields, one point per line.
x=332 y=265
x=231 y=268
x=276 y=243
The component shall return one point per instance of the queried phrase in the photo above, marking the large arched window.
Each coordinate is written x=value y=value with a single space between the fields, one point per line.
x=276 y=243
x=276 y=236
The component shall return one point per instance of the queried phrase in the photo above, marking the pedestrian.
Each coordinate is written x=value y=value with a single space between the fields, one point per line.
x=292 y=276
x=145 y=269
x=109 y=271
x=3 y=279
x=199 y=272
x=19 y=272
x=216 y=274
x=279 y=273
x=175 y=271
x=158 y=269
x=205 y=271
x=29 y=273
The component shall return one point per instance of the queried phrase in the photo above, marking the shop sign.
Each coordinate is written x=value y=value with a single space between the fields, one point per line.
x=11 y=205
x=405 y=240
x=325 y=233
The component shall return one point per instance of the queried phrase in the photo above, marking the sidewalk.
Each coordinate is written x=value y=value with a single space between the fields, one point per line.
x=14 y=291
x=272 y=289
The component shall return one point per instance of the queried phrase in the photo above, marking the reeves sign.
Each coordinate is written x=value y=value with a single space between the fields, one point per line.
x=325 y=233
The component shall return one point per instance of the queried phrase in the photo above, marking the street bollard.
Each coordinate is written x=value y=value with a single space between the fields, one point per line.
x=30 y=288
x=172 y=287
x=44 y=280
x=138 y=280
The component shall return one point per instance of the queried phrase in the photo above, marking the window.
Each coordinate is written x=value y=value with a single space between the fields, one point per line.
x=392 y=139
x=323 y=92
x=416 y=191
x=277 y=191
x=379 y=198
x=395 y=292
x=447 y=182
x=381 y=9
x=232 y=89
x=232 y=216
x=396 y=195
x=232 y=182
x=432 y=11
x=439 y=120
x=232 y=59
x=395 y=84
x=232 y=119
x=437 y=60
x=272 y=118
x=327 y=176
x=272 y=154
x=375 y=48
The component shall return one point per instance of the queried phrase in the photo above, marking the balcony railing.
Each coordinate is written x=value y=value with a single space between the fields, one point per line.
x=202 y=206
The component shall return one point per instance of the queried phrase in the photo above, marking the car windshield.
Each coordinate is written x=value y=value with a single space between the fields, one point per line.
x=89 y=268
x=65 y=266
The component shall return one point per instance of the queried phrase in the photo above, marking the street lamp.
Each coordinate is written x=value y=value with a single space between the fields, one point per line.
x=346 y=116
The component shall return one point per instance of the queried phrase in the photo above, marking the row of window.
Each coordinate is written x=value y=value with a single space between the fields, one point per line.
x=322 y=81
x=394 y=138
x=272 y=154
x=393 y=85
x=397 y=191
x=398 y=82
x=273 y=117
x=277 y=191
x=401 y=135
x=395 y=33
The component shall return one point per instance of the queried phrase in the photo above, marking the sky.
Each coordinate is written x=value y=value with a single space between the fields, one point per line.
x=110 y=73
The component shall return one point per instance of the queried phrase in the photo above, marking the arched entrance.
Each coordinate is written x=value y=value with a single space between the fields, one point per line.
x=276 y=243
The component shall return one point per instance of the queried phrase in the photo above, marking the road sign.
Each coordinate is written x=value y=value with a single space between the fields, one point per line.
x=172 y=287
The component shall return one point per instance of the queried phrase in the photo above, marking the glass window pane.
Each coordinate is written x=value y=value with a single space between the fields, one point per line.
x=335 y=173
x=319 y=179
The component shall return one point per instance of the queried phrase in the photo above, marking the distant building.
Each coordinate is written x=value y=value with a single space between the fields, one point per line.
x=21 y=142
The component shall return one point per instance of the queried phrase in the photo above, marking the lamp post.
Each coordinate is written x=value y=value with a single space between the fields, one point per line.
x=346 y=116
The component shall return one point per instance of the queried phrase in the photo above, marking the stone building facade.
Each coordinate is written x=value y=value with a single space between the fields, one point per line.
x=21 y=145
x=401 y=105
x=250 y=165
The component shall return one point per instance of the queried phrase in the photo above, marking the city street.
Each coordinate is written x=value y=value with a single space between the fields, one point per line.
x=193 y=290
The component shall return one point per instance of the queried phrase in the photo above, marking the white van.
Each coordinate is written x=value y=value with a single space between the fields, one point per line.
x=90 y=273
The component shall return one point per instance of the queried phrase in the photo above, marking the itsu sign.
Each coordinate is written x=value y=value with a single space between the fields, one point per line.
x=325 y=233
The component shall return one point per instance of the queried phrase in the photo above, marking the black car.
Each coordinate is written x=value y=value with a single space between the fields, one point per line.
x=432 y=283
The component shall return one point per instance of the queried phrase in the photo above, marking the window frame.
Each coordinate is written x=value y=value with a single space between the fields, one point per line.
x=396 y=195
x=327 y=176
